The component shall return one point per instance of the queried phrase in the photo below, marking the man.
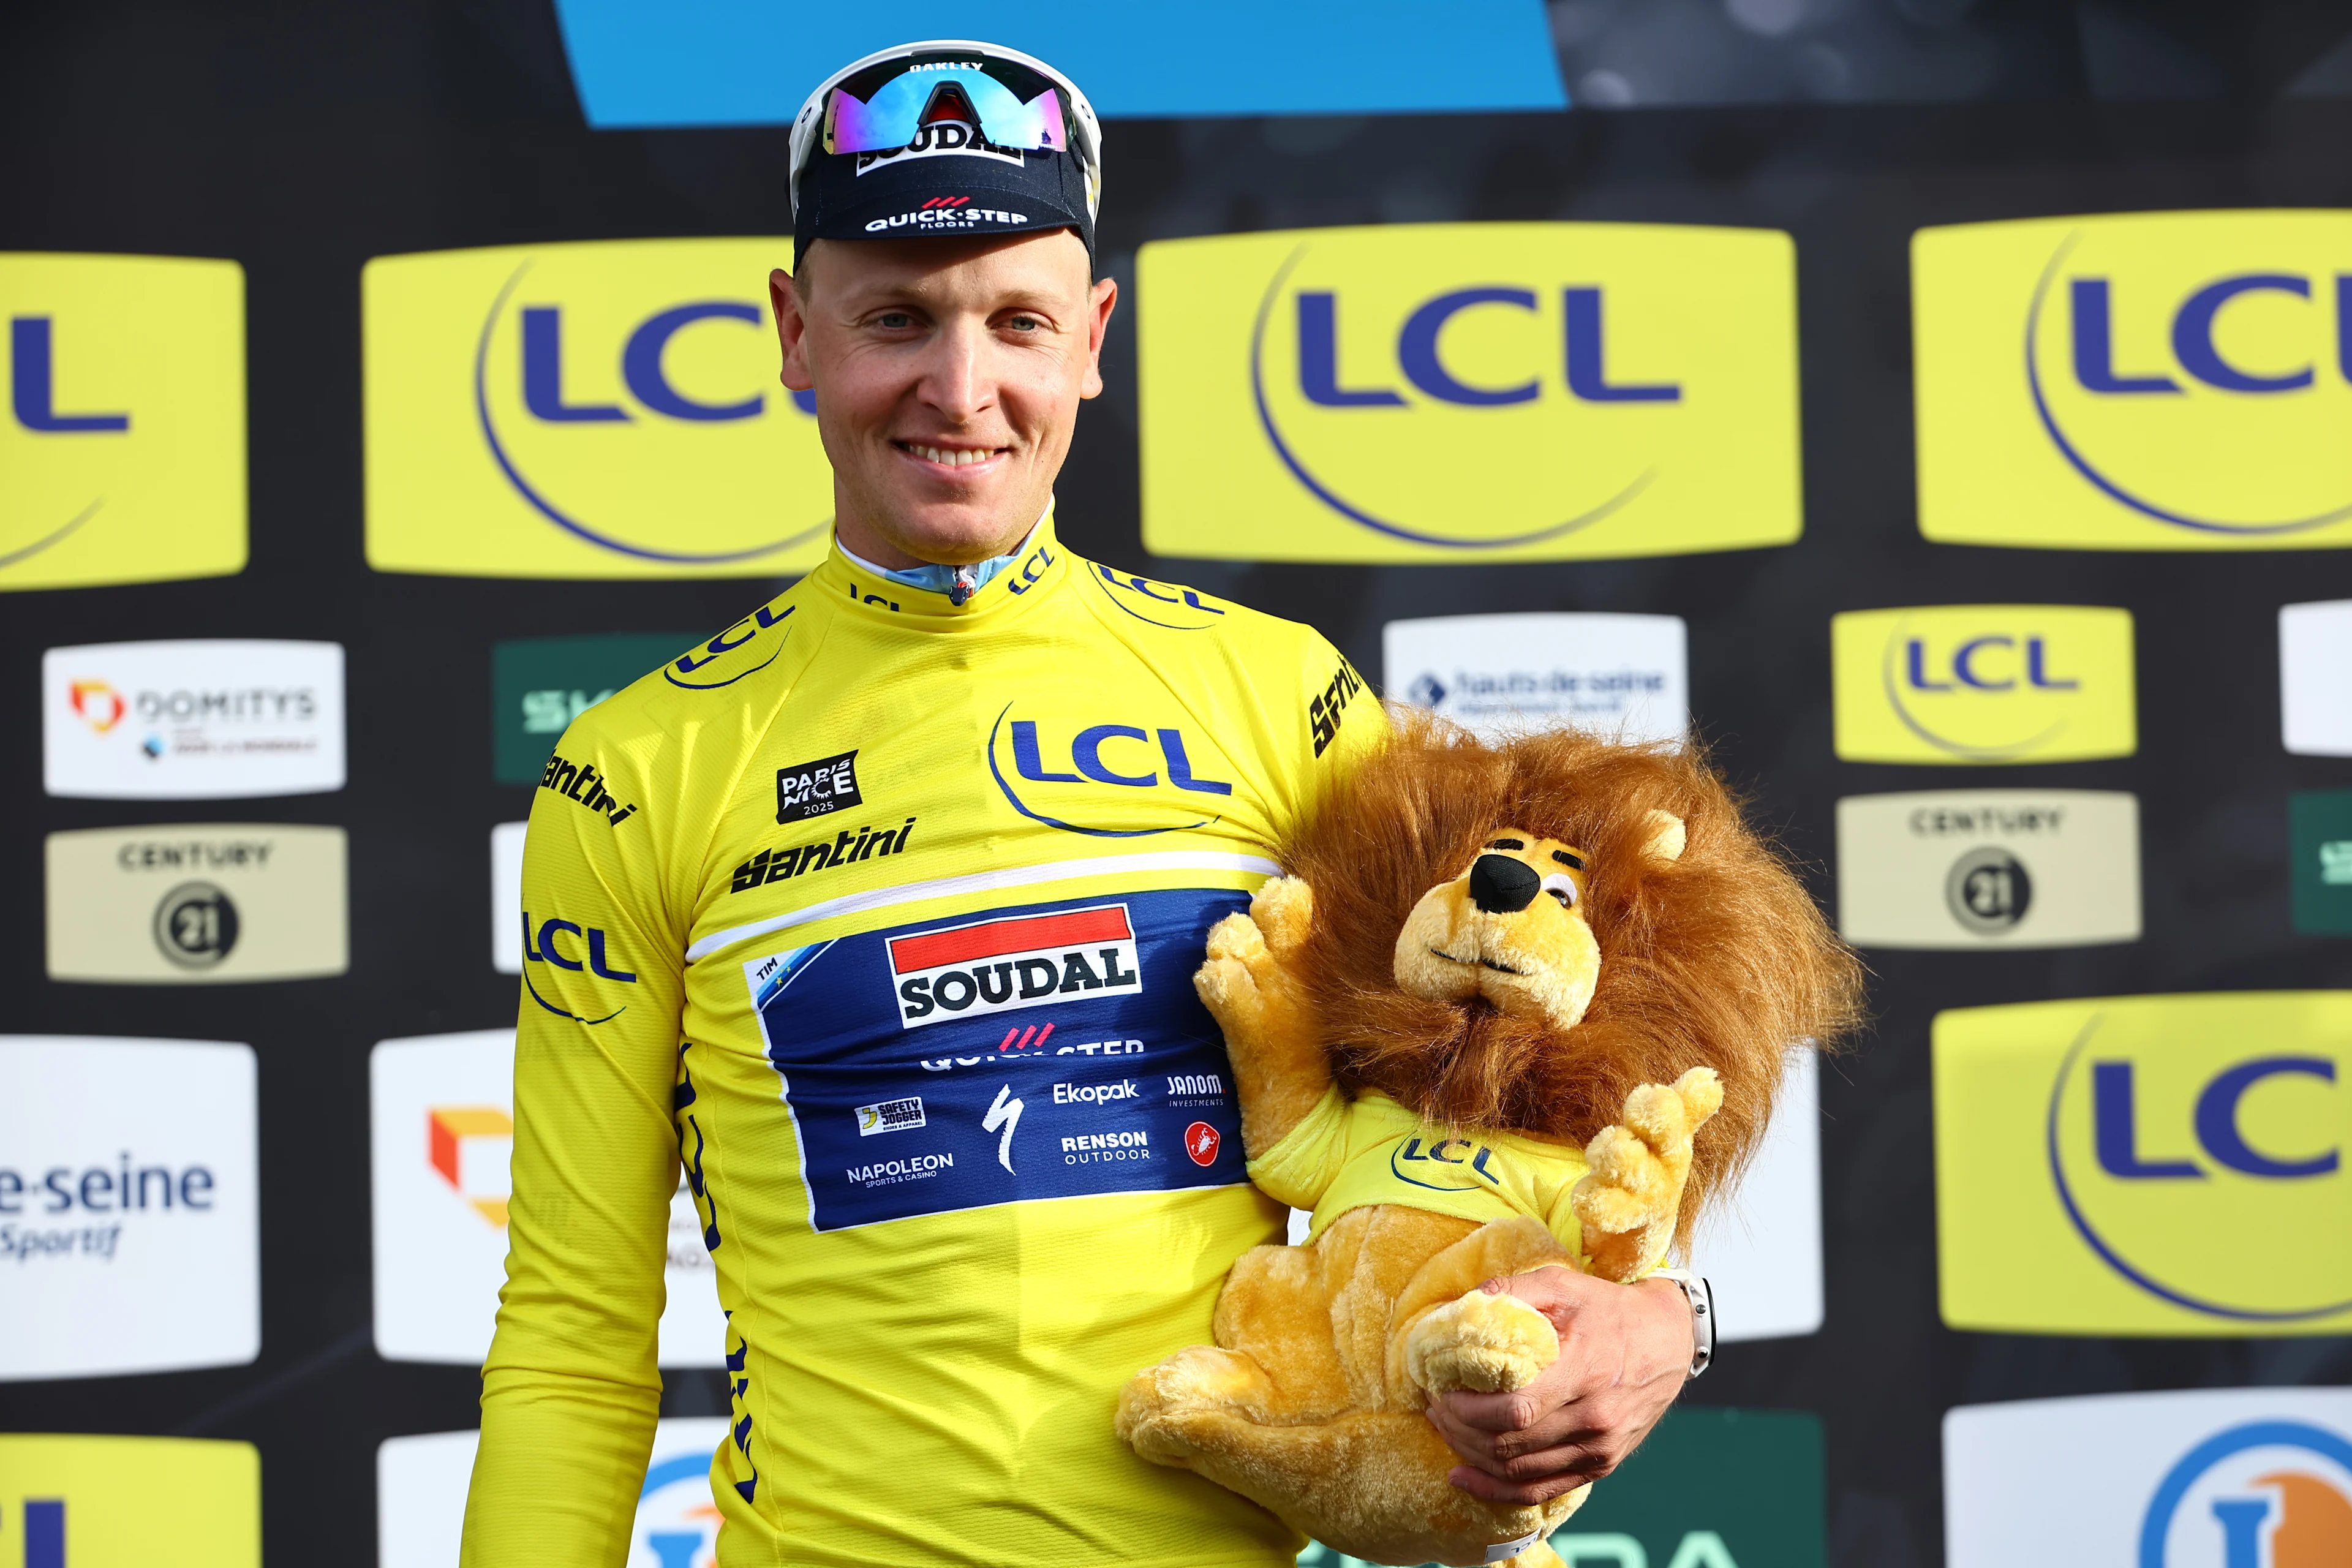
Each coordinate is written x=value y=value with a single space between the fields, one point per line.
x=880 y=909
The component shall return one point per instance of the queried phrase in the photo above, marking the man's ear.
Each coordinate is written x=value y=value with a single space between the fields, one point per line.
x=1667 y=836
x=1101 y=299
x=792 y=330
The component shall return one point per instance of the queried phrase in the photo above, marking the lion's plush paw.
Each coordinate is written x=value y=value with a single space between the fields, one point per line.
x=1628 y=1201
x=1480 y=1342
x=1284 y=912
x=1156 y=1406
x=1248 y=984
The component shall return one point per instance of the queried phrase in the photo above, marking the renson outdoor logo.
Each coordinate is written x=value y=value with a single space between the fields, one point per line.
x=2266 y=347
x=1983 y=683
x=653 y=398
x=2154 y=1153
x=1568 y=326
x=1123 y=756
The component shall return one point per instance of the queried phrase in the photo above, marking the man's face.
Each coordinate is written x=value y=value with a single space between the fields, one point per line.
x=947 y=376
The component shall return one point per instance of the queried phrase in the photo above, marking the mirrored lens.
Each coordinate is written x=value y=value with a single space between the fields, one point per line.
x=899 y=108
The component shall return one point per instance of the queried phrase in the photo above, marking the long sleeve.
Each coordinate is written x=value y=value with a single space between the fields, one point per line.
x=570 y=1391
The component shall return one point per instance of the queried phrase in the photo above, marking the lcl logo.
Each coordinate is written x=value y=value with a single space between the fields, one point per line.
x=552 y=942
x=1027 y=758
x=2216 y=1117
x=1983 y=683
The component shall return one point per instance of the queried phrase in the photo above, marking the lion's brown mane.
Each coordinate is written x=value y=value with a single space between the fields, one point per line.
x=1720 y=959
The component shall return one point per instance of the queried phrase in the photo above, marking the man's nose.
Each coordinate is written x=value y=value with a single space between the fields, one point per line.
x=952 y=375
x=1502 y=886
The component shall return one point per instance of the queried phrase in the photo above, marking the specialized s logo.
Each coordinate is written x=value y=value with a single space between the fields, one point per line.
x=1146 y=759
x=1663 y=357
x=2160 y=381
x=2143 y=1129
x=1972 y=684
x=618 y=416
x=998 y=966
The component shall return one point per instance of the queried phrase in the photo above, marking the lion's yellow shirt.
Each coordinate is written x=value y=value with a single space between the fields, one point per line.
x=1349 y=1154
x=885 y=913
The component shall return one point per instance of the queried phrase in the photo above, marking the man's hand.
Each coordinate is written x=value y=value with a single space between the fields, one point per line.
x=1624 y=1353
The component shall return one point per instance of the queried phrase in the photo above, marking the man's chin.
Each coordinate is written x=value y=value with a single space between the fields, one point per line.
x=961 y=533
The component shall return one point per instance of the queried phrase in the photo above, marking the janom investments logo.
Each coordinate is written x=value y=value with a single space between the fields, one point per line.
x=2146 y=1164
x=1452 y=392
x=2149 y=381
x=122 y=447
x=594 y=409
x=1977 y=684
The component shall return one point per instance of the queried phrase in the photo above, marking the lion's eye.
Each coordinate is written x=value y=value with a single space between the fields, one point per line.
x=1562 y=889
x=1507 y=844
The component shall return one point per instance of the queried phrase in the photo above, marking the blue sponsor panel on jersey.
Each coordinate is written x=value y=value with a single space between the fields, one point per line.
x=1038 y=1051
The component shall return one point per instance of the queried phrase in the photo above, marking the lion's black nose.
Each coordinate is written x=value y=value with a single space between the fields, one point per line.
x=1502 y=886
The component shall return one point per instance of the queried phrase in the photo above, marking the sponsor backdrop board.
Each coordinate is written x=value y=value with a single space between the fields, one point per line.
x=123 y=457
x=74 y=1501
x=2208 y=1478
x=2319 y=860
x=192 y=721
x=1403 y=393
x=2146 y=1164
x=1762 y=1252
x=2134 y=381
x=539 y=685
x=1968 y=870
x=130 y=1204
x=1497 y=675
x=594 y=409
x=421 y=1484
x=1978 y=685
x=442 y=1129
x=197 y=903
x=2315 y=679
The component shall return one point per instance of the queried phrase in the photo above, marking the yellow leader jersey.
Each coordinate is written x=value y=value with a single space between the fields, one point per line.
x=883 y=914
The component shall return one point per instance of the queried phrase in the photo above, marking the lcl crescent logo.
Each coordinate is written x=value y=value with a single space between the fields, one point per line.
x=541 y=343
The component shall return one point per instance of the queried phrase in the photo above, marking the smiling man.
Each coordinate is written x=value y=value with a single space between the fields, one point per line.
x=879 y=910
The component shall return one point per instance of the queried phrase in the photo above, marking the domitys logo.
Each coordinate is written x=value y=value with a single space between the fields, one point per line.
x=97 y=704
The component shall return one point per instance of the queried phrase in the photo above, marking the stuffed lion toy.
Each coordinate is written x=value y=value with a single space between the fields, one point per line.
x=1516 y=1006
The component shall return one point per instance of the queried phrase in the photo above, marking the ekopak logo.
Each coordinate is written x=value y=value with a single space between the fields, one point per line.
x=1438 y=391
x=603 y=409
x=1974 y=684
x=2150 y=381
x=2142 y=1129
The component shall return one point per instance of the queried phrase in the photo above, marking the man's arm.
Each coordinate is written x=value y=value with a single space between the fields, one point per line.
x=1625 y=1355
x=570 y=1391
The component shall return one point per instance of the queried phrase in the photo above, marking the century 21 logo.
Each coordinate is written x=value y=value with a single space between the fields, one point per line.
x=2152 y=381
x=603 y=409
x=122 y=436
x=1463 y=391
x=1974 y=684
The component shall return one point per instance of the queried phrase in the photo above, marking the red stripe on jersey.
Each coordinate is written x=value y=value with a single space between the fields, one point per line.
x=993 y=939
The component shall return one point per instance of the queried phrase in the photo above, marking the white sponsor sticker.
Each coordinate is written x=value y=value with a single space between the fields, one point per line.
x=2315 y=677
x=206 y=719
x=197 y=903
x=1989 y=868
x=442 y=1125
x=1003 y=965
x=1760 y=1251
x=506 y=896
x=1500 y=675
x=421 y=1484
x=129 y=1217
x=2220 y=1477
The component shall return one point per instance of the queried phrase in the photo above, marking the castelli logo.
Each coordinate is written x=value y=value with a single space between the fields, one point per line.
x=1200 y=1142
x=99 y=705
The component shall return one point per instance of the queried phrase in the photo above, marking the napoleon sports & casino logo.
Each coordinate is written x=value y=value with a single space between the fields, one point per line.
x=1976 y=684
x=122 y=444
x=2152 y=381
x=2146 y=1165
x=597 y=409
x=1450 y=392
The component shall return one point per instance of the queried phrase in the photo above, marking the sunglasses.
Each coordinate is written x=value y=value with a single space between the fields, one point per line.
x=927 y=94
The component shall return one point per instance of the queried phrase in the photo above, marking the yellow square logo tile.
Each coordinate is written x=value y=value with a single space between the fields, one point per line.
x=129 y=1502
x=1982 y=684
x=600 y=409
x=1469 y=392
x=122 y=452
x=2146 y=1165
x=2149 y=381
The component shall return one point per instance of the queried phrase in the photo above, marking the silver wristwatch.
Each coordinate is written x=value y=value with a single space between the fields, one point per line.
x=1702 y=1312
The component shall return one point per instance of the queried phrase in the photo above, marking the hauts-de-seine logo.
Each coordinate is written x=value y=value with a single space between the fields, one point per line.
x=2104 y=1148
x=598 y=409
x=1469 y=391
x=1976 y=684
x=122 y=439
x=2262 y=1494
x=2150 y=381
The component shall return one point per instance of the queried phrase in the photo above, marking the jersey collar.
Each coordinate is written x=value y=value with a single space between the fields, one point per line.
x=1024 y=578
